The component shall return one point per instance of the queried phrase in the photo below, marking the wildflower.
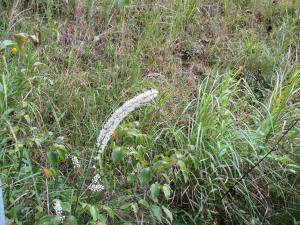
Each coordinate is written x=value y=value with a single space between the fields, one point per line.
x=276 y=110
x=14 y=50
x=95 y=186
x=58 y=210
x=96 y=179
x=117 y=117
x=75 y=162
x=48 y=173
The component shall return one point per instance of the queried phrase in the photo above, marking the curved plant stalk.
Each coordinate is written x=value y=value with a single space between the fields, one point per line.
x=111 y=125
x=119 y=115
x=114 y=121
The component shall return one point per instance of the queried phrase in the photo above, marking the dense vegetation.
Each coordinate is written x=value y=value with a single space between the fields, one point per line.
x=228 y=77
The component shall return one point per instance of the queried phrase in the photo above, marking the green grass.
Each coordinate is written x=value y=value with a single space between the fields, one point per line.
x=228 y=79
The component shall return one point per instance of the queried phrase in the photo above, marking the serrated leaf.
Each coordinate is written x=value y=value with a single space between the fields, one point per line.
x=154 y=191
x=156 y=210
x=145 y=176
x=168 y=213
x=167 y=191
x=117 y=155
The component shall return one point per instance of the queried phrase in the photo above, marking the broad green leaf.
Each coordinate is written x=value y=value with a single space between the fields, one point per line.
x=49 y=220
x=53 y=158
x=66 y=207
x=135 y=208
x=168 y=213
x=145 y=176
x=154 y=191
x=156 y=210
x=117 y=155
x=167 y=191
x=94 y=212
x=144 y=203
x=61 y=150
x=131 y=178
x=71 y=220
x=161 y=165
x=126 y=207
x=109 y=211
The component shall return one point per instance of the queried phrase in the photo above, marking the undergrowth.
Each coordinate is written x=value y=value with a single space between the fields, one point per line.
x=228 y=78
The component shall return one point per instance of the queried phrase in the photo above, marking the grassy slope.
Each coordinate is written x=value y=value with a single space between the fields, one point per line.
x=227 y=76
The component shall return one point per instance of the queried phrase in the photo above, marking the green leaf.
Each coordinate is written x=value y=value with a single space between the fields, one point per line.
x=145 y=176
x=167 y=191
x=168 y=213
x=109 y=211
x=117 y=155
x=66 y=207
x=161 y=165
x=131 y=178
x=49 y=220
x=53 y=158
x=156 y=210
x=135 y=208
x=154 y=191
x=94 y=212
x=71 y=220
x=126 y=207
x=144 y=203
x=184 y=170
x=61 y=151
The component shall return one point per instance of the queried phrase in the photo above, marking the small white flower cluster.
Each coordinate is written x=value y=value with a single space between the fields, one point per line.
x=75 y=162
x=95 y=186
x=58 y=210
x=117 y=117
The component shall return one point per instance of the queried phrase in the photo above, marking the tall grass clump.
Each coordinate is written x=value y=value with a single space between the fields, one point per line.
x=230 y=132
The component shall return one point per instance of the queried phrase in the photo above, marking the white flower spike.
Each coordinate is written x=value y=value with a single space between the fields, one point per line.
x=58 y=210
x=119 y=115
